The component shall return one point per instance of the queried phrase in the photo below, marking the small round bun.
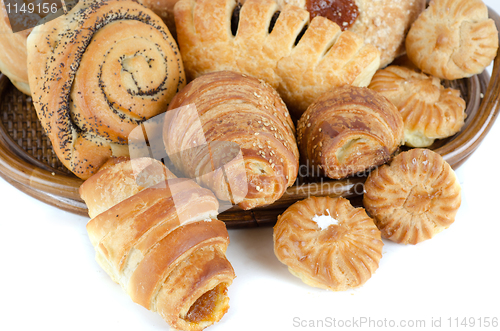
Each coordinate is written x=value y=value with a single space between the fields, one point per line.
x=453 y=39
x=414 y=198
x=429 y=110
x=328 y=243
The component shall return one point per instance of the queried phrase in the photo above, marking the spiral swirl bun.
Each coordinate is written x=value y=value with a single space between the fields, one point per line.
x=98 y=72
x=429 y=110
x=338 y=257
x=453 y=39
x=414 y=198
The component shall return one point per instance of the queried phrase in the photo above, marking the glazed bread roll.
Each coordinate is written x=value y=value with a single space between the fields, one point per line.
x=382 y=23
x=300 y=58
x=349 y=130
x=413 y=198
x=246 y=113
x=453 y=39
x=429 y=110
x=328 y=243
x=163 y=245
x=98 y=72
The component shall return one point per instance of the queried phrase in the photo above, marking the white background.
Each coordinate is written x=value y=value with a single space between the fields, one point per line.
x=49 y=279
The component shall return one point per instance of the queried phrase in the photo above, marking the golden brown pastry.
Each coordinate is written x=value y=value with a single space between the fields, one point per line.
x=300 y=58
x=413 y=198
x=163 y=245
x=349 y=130
x=328 y=243
x=382 y=23
x=120 y=181
x=247 y=114
x=96 y=74
x=429 y=110
x=453 y=39
x=13 y=55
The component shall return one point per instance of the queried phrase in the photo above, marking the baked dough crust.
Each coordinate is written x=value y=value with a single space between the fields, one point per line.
x=98 y=72
x=453 y=39
x=342 y=256
x=429 y=110
x=240 y=111
x=413 y=198
x=324 y=57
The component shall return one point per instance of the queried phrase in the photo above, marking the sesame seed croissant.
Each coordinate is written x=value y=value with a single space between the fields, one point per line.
x=233 y=113
x=96 y=73
x=161 y=242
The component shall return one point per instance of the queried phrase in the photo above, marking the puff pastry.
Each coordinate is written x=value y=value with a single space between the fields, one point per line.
x=328 y=243
x=13 y=56
x=349 y=130
x=300 y=58
x=453 y=39
x=413 y=198
x=245 y=113
x=162 y=244
x=382 y=23
x=429 y=110
x=98 y=72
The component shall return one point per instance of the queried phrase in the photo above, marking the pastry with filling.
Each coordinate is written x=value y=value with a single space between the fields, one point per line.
x=349 y=130
x=328 y=243
x=453 y=39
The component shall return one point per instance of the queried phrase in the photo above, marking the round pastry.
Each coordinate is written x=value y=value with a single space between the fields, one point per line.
x=414 y=198
x=382 y=23
x=349 y=130
x=299 y=57
x=453 y=39
x=164 y=9
x=328 y=243
x=229 y=111
x=96 y=74
x=429 y=110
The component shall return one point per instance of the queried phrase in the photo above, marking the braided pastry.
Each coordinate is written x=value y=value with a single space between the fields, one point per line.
x=96 y=73
x=246 y=113
x=300 y=65
x=349 y=130
x=328 y=243
x=163 y=244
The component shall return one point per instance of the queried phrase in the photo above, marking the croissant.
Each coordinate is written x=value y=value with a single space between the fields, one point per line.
x=98 y=72
x=349 y=130
x=382 y=23
x=300 y=58
x=233 y=111
x=453 y=39
x=163 y=244
x=429 y=110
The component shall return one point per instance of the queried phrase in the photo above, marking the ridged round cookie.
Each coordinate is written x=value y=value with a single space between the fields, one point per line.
x=413 y=198
x=338 y=254
x=429 y=110
x=453 y=39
